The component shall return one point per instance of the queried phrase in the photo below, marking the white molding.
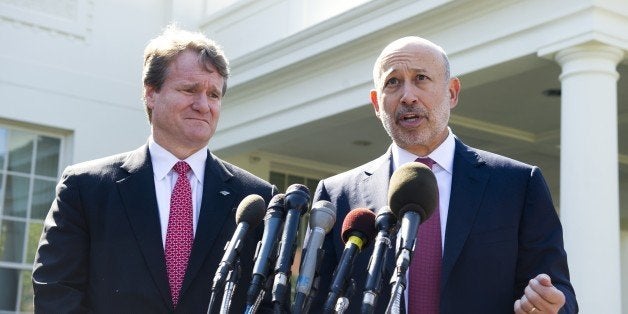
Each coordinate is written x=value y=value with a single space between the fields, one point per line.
x=75 y=20
x=237 y=11
x=492 y=128
x=607 y=27
x=303 y=166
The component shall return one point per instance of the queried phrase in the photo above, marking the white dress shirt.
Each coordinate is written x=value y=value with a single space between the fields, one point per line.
x=165 y=178
x=443 y=156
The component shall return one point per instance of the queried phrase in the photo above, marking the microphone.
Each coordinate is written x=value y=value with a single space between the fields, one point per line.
x=413 y=196
x=248 y=215
x=385 y=222
x=296 y=202
x=322 y=219
x=358 y=230
x=266 y=251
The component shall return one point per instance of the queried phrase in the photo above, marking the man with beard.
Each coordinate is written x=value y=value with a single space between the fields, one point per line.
x=497 y=236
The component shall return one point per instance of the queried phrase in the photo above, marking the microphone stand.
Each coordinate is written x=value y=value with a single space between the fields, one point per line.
x=266 y=286
x=399 y=282
x=215 y=294
x=252 y=309
x=232 y=281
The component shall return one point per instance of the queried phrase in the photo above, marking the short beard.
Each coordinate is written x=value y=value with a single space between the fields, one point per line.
x=435 y=125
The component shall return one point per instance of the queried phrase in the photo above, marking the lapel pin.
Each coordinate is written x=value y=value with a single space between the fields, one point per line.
x=224 y=193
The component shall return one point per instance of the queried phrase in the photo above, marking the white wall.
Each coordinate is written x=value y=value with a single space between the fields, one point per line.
x=75 y=67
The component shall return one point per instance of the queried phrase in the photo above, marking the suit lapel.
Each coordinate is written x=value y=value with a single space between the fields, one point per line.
x=137 y=192
x=375 y=191
x=218 y=202
x=375 y=184
x=467 y=190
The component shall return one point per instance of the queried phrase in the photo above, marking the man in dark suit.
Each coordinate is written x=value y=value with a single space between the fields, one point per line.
x=499 y=238
x=114 y=240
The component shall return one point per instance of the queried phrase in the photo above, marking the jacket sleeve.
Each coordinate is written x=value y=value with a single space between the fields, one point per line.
x=60 y=269
x=541 y=247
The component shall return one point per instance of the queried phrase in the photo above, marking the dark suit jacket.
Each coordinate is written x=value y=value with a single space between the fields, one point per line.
x=101 y=250
x=502 y=230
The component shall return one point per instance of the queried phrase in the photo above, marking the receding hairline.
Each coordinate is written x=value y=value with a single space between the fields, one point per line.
x=410 y=41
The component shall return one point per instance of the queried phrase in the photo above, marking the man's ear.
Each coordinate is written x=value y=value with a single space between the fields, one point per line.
x=149 y=94
x=454 y=92
x=375 y=102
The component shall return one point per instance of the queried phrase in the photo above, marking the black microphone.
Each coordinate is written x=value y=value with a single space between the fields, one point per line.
x=322 y=219
x=248 y=215
x=385 y=222
x=266 y=251
x=413 y=196
x=296 y=202
x=358 y=230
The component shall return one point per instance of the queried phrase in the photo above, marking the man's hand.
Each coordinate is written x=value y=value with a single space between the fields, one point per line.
x=540 y=296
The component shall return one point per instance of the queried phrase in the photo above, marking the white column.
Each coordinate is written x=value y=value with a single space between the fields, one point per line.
x=589 y=179
x=623 y=243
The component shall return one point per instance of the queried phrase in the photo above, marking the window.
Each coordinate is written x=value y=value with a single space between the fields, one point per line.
x=284 y=180
x=29 y=169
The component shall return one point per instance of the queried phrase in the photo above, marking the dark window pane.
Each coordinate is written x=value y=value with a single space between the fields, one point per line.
x=11 y=241
x=26 y=303
x=34 y=233
x=43 y=195
x=311 y=184
x=47 y=159
x=16 y=196
x=8 y=294
x=20 y=151
x=279 y=180
x=295 y=179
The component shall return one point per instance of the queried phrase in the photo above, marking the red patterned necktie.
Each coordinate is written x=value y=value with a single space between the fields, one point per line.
x=425 y=268
x=179 y=236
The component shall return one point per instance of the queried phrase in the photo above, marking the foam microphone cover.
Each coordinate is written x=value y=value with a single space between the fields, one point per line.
x=413 y=187
x=251 y=210
x=361 y=222
x=277 y=203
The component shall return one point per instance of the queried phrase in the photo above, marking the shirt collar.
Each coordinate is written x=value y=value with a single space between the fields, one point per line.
x=443 y=155
x=163 y=161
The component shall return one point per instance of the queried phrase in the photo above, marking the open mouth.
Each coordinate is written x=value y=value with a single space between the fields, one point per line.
x=410 y=117
x=410 y=120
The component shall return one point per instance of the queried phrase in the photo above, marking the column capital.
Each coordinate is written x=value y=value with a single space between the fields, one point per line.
x=591 y=57
x=591 y=49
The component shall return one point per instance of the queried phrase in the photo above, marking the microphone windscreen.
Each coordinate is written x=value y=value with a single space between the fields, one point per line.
x=251 y=210
x=359 y=221
x=277 y=202
x=297 y=197
x=413 y=187
x=323 y=215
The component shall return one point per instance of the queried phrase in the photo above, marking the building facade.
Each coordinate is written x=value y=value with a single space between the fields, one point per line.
x=542 y=81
